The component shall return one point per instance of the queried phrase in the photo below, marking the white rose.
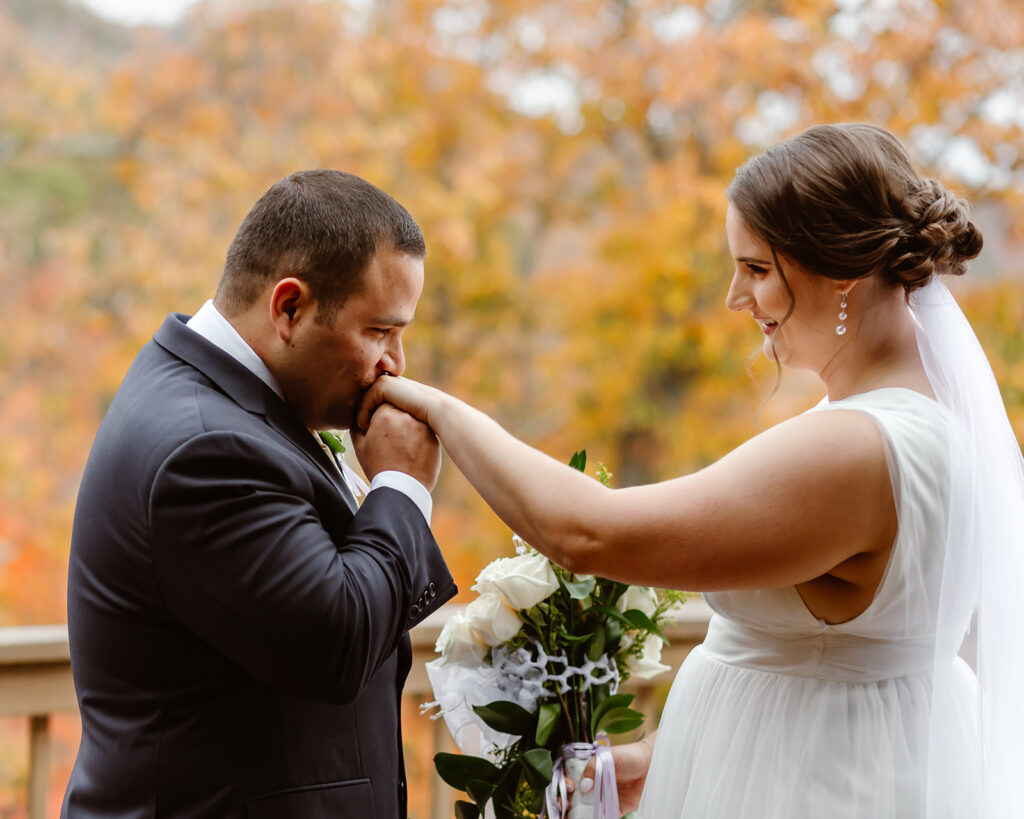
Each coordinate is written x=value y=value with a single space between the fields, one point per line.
x=459 y=642
x=639 y=597
x=649 y=664
x=493 y=619
x=524 y=580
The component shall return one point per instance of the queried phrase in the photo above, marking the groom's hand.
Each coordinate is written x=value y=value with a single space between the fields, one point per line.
x=396 y=440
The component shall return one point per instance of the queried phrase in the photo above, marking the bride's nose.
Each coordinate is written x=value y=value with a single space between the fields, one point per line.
x=739 y=297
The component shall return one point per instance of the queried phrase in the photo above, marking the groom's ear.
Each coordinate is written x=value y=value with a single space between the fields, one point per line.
x=290 y=302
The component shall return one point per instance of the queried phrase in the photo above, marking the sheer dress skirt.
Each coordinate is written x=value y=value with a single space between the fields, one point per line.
x=772 y=742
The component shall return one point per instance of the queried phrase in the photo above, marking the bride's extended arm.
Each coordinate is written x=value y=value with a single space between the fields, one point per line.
x=533 y=493
x=787 y=506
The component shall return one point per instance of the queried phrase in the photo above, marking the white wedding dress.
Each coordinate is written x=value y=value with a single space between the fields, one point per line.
x=779 y=715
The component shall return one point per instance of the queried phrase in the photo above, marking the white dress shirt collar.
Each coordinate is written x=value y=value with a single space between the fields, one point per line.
x=210 y=323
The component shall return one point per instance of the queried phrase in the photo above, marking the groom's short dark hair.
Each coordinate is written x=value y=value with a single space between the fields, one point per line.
x=321 y=226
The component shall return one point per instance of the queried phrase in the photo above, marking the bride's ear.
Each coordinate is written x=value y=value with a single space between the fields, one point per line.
x=846 y=286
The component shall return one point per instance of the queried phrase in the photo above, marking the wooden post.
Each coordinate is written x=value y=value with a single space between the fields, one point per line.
x=38 y=765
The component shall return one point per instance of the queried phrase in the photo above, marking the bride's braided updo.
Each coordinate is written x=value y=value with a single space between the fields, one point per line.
x=844 y=201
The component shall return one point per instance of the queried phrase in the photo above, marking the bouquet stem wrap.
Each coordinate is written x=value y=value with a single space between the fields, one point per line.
x=604 y=798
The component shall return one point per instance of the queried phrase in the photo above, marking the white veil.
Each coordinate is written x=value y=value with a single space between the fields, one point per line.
x=983 y=571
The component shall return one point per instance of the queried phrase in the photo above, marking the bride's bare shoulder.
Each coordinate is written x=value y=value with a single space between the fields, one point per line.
x=819 y=440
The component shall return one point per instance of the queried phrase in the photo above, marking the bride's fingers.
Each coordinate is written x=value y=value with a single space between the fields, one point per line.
x=586 y=784
x=372 y=398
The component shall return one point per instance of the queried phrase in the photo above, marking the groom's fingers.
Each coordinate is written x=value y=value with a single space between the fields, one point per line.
x=357 y=435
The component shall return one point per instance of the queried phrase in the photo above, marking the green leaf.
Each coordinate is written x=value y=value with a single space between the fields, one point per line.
x=613 y=635
x=614 y=613
x=578 y=589
x=616 y=591
x=459 y=769
x=507 y=717
x=480 y=791
x=538 y=767
x=620 y=720
x=634 y=619
x=466 y=810
x=505 y=810
x=535 y=617
x=333 y=442
x=637 y=619
x=573 y=639
x=504 y=799
x=535 y=802
x=579 y=460
x=549 y=716
x=606 y=705
x=596 y=647
x=598 y=694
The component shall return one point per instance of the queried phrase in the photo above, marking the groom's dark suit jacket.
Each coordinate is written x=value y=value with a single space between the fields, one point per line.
x=238 y=627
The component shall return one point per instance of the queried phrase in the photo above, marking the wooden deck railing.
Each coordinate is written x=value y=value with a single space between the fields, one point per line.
x=35 y=682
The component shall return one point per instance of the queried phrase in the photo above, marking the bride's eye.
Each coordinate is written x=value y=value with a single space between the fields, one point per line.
x=757 y=269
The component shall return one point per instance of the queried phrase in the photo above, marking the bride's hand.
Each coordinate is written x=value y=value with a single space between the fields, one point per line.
x=632 y=762
x=418 y=400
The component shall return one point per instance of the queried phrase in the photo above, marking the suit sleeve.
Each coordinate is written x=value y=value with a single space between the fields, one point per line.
x=256 y=555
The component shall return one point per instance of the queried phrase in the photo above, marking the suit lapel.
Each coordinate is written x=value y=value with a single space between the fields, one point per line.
x=281 y=418
x=248 y=391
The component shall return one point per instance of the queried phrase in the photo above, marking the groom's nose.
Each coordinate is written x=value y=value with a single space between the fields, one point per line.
x=393 y=360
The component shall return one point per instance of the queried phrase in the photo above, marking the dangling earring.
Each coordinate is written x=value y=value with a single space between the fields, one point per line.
x=840 y=327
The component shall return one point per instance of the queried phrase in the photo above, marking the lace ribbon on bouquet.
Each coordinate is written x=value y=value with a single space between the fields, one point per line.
x=519 y=676
x=524 y=673
x=605 y=794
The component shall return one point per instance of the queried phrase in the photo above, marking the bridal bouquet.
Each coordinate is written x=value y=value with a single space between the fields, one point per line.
x=528 y=683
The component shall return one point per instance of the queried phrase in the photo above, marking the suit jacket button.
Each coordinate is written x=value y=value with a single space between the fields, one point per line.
x=432 y=589
x=414 y=610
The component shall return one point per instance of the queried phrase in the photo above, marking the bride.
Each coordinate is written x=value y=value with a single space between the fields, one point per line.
x=844 y=550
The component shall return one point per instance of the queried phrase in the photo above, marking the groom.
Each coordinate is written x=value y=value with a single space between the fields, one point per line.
x=238 y=624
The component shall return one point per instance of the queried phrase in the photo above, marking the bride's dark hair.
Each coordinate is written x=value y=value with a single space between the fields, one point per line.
x=844 y=201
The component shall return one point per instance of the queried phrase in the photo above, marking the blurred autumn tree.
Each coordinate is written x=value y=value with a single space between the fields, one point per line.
x=566 y=160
